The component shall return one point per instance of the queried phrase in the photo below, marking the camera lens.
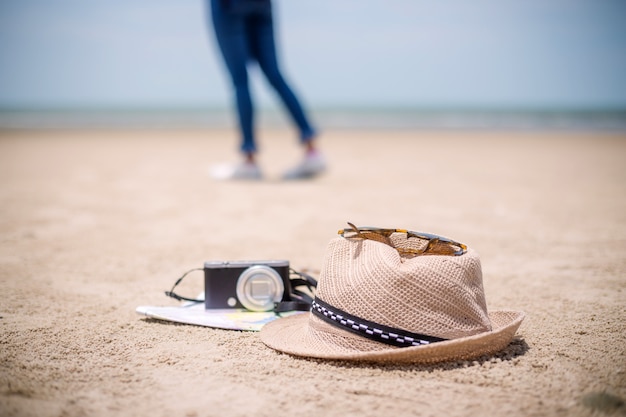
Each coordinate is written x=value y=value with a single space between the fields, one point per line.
x=259 y=287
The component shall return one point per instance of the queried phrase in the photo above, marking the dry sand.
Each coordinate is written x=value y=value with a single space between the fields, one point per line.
x=95 y=223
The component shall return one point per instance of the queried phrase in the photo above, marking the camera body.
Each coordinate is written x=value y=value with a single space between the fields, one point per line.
x=253 y=285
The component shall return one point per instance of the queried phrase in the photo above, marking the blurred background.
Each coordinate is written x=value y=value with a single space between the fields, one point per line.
x=355 y=63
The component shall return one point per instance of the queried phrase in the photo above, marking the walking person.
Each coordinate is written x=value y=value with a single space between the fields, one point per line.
x=244 y=30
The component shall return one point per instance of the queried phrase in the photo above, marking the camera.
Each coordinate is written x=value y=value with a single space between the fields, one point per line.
x=253 y=285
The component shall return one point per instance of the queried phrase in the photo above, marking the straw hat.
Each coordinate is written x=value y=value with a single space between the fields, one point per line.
x=375 y=304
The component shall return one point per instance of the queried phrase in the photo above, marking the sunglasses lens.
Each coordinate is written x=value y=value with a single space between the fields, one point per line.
x=441 y=248
x=405 y=242
x=377 y=236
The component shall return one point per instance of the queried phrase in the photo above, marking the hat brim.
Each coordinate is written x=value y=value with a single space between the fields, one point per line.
x=293 y=335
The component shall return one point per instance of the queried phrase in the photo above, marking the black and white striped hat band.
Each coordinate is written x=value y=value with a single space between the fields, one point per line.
x=368 y=329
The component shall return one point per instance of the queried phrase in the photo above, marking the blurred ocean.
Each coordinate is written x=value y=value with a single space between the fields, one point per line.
x=324 y=118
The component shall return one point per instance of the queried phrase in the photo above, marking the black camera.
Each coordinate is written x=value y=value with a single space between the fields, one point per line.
x=253 y=285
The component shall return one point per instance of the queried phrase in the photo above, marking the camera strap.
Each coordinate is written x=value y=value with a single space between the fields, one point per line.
x=172 y=294
x=300 y=297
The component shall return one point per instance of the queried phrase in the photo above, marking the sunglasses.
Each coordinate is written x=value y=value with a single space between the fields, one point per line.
x=416 y=243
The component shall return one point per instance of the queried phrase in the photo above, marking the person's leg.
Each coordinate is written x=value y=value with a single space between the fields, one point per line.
x=263 y=50
x=231 y=37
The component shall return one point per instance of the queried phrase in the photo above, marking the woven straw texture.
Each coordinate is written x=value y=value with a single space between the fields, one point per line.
x=435 y=295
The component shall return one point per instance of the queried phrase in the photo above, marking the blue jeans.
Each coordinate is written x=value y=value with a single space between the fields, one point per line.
x=248 y=35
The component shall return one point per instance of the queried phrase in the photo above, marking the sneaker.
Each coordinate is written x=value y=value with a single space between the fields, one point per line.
x=313 y=164
x=242 y=171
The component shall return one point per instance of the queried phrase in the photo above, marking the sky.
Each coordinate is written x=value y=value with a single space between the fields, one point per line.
x=517 y=54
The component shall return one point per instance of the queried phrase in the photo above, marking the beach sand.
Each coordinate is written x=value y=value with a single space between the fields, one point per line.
x=97 y=222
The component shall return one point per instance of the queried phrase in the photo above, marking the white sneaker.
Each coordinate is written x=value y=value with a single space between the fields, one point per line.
x=313 y=164
x=242 y=171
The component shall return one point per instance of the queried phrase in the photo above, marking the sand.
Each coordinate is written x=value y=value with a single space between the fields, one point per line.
x=97 y=222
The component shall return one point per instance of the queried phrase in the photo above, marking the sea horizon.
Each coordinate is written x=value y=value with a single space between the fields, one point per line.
x=337 y=117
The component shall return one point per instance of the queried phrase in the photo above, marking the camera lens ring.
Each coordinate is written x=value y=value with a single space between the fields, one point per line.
x=259 y=287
